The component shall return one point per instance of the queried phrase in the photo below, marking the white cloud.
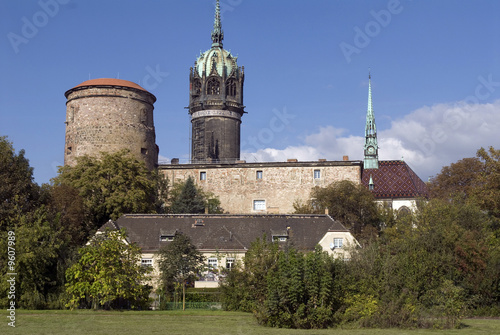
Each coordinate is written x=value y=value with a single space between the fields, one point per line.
x=428 y=138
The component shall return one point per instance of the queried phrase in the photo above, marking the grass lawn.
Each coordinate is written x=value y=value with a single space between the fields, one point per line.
x=188 y=322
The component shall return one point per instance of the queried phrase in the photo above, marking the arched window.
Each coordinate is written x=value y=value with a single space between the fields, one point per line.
x=213 y=86
x=231 y=87
x=403 y=211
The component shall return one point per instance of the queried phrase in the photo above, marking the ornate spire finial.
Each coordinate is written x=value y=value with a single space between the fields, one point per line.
x=217 y=32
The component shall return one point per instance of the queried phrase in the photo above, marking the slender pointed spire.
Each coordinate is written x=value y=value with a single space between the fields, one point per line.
x=371 y=145
x=371 y=128
x=217 y=32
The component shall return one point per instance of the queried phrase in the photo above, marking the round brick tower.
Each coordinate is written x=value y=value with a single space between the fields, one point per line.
x=108 y=115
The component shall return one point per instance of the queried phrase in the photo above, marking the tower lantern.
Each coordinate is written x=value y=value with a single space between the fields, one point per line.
x=216 y=102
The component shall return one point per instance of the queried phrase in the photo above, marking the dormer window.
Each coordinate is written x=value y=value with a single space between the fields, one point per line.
x=166 y=238
x=280 y=235
x=280 y=238
x=167 y=235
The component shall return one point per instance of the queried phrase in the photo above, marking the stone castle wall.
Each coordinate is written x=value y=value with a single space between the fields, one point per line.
x=238 y=185
x=109 y=119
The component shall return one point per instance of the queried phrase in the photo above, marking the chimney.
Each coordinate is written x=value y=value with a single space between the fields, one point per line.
x=206 y=210
x=322 y=160
x=326 y=211
x=292 y=160
x=345 y=158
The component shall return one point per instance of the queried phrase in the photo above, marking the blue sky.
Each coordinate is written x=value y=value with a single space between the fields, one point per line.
x=435 y=69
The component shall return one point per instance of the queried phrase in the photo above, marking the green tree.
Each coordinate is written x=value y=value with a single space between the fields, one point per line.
x=457 y=181
x=474 y=180
x=424 y=270
x=111 y=185
x=179 y=262
x=108 y=274
x=39 y=244
x=244 y=287
x=18 y=192
x=300 y=291
x=488 y=193
x=188 y=198
x=350 y=203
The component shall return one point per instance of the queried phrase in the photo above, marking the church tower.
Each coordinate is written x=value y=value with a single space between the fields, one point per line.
x=216 y=102
x=371 y=147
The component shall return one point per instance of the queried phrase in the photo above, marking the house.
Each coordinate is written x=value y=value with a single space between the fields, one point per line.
x=223 y=238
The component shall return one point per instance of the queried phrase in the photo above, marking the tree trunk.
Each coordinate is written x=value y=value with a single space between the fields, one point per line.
x=184 y=295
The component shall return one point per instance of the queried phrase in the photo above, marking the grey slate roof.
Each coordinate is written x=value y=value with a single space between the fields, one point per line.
x=225 y=232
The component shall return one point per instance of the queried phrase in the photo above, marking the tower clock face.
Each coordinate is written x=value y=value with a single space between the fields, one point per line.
x=371 y=150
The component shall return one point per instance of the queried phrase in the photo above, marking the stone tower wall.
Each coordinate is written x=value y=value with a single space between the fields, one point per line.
x=109 y=119
x=216 y=138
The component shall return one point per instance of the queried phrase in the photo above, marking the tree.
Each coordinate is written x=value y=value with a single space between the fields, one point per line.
x=300 y=291
x=179 y=262
x=457 y=181
x=475 y=180
x=18 y=192
x=188 y=198
x=350 y=203
x=108 y=274
x=39 y=244
x=488 y=193
x=423 y=270
x=244 y=287
x=283 y=288
x=111 y=185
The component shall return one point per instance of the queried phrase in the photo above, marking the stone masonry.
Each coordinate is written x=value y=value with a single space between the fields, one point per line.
x=262 y=188
x=108 y=115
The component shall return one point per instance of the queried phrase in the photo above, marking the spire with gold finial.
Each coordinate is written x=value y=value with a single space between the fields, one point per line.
x=217 y=32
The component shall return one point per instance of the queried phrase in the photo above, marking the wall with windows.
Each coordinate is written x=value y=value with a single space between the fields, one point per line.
x=216 y=262
x=263 y=188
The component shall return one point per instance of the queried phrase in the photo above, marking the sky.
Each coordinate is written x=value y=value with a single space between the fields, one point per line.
x=435 y=73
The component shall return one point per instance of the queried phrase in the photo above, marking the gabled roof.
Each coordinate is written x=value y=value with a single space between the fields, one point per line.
x=225 y=232
x=394 y=179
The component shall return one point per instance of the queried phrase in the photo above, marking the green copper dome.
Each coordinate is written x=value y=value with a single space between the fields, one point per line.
x=216 y=59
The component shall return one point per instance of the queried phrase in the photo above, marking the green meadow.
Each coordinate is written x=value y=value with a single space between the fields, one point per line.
x=87 y=322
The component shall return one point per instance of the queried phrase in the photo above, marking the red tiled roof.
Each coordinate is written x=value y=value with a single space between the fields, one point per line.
x=394 y=179
x=110 y=82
